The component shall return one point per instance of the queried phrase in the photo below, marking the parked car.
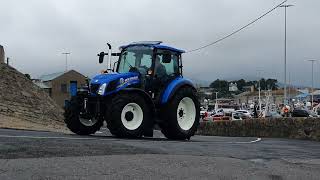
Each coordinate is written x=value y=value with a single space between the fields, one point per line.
x=238 y=116
x=202 y=112
x=245 y=112
x=216 y=117
x=303 y=113
x=220 y=117
x=273 y=114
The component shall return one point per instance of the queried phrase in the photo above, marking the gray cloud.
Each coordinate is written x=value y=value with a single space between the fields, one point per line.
x=36 y=32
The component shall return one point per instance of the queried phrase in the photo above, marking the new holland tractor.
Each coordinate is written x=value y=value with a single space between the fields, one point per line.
x=144 y=89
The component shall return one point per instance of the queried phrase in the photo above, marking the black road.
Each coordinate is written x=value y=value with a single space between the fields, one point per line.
x=47 y=155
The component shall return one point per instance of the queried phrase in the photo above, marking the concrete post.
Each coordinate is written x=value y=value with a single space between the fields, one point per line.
x=2 y=57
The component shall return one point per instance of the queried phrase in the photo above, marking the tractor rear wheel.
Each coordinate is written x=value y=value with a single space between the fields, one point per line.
x=128 y=115
x=78 y=121
x=182 y=115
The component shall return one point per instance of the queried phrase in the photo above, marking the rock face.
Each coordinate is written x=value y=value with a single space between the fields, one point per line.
x=20 y=98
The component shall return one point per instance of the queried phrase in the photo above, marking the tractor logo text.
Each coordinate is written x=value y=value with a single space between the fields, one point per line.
x=125 y=81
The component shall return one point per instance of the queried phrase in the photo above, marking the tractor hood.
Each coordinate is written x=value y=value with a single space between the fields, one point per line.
x=105 y=84
x=106 y=78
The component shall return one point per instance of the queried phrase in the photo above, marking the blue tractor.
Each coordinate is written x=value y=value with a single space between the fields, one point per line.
x=144 y=89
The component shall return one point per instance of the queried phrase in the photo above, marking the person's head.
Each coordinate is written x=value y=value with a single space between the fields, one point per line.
x=157 y=61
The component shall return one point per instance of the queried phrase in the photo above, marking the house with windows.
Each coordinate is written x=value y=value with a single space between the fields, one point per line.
x=62 y=85
x=277 y=96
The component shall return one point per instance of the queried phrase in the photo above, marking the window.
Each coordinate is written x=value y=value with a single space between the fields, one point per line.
x=138 y=57
x=146 y=61
x=64 y=88
x=163 y=68
x=127 y=60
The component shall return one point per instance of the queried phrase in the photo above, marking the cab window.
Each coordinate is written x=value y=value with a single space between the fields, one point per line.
x=166 y=64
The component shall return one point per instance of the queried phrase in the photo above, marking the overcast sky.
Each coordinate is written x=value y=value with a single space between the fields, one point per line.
x=36 y=32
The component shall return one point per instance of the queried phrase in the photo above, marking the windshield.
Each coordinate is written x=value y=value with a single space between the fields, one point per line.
x=137 y=57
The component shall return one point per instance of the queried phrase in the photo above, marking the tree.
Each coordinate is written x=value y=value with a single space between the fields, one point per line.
x=263 y=84
x=241 y=83
x=222 y=87
x=272 y=84
x=28 y=76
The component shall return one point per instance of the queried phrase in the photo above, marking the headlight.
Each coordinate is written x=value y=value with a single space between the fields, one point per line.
x=102 y=89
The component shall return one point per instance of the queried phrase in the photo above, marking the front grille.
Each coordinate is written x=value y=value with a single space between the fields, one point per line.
x=94 y=88
x=112 y=85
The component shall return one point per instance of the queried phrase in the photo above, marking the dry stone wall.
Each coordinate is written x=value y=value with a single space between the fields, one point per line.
x=297 y=128
x=20 y=98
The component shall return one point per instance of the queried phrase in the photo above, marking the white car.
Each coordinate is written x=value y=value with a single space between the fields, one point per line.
x=245 y=112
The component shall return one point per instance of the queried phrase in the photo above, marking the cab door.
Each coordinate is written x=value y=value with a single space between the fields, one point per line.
x=166 y=69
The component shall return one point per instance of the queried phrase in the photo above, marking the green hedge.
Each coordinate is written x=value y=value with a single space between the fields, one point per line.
x=297 y=128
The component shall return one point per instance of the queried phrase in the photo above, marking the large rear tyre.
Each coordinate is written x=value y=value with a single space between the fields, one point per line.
x=128 y=115
x=79 y=122
x=181 y=115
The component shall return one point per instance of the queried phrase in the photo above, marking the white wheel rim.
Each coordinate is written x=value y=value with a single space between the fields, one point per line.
x=135 y=121
x=88 y=122
x=186 y=113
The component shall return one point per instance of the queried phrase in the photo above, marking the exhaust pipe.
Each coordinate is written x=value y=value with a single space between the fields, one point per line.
x=109 y=58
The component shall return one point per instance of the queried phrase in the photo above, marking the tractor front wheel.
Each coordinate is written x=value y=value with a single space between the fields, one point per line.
x=128 y=115
x=182 y=115
x=78 y=121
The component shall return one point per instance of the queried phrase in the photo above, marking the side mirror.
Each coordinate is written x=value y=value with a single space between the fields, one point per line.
x=166 y=58
x=101 y=56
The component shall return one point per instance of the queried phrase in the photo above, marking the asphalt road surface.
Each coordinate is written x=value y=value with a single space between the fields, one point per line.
x=47 y=155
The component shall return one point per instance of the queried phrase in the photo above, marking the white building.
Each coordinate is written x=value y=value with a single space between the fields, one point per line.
x=233 y=87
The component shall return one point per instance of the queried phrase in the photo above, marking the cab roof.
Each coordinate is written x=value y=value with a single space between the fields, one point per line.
x=154 y=44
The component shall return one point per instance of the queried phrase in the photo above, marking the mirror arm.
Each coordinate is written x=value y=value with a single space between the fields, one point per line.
x=114 y=65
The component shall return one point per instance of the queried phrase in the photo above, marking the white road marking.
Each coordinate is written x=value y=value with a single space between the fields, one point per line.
x=93 y=138
x=250 y=142
x=99 y=132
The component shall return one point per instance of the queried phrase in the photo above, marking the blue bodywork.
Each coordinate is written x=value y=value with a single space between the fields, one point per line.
x=120 y=80
x=173 y=86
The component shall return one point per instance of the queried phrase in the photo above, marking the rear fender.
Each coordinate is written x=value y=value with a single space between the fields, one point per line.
x=175 y=85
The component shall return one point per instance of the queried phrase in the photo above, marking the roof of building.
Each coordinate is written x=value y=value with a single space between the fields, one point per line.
x=49 y=77
x=41 y=85
x=155 y=44
x=316 y=92
x=302 y=95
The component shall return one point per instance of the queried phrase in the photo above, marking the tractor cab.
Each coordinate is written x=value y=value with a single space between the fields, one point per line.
x=156 y=65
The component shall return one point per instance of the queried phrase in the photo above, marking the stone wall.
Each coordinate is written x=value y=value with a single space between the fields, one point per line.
x=297 y=128
x=2 y=56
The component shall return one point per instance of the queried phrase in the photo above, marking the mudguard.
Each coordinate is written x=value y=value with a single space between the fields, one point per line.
x=173 y=87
